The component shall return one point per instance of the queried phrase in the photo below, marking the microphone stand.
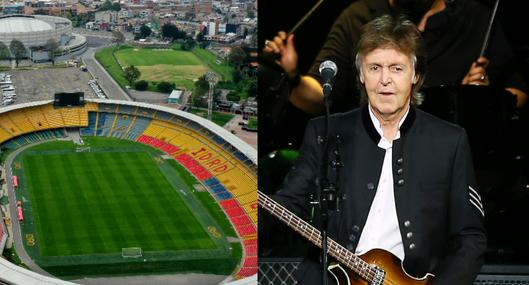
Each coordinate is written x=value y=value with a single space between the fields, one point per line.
x=328 y=191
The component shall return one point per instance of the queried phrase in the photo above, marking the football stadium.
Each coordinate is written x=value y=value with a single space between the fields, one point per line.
x=118 y=188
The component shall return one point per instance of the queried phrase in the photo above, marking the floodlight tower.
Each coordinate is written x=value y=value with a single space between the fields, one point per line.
x=212 y=79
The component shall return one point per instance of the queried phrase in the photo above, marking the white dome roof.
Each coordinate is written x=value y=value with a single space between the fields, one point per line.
x=23 y=25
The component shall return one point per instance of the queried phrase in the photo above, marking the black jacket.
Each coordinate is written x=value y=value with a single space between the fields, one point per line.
x=432 y=170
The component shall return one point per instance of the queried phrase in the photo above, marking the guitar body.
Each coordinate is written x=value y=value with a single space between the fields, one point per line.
x=375 y=267
x=395 y=273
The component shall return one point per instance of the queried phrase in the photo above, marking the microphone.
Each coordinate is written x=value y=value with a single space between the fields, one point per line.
x=328 y=70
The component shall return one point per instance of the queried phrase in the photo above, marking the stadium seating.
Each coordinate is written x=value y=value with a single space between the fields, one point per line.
x=121 y=125
x=163 y=116
x=34 y=137
x=37 y=118
x=53 y=116
x=129 y=110
x=90 y=130
x=138 y=127
x=144 y=112
x=21 y=121
x=106 y=121
x=224 y=169
x=72 y=117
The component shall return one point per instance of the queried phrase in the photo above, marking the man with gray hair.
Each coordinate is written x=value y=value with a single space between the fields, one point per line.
x=407 y=176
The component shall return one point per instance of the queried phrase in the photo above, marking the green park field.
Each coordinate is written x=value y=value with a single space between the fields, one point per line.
x=156 y=65
x=84 y=205
x=163 y=65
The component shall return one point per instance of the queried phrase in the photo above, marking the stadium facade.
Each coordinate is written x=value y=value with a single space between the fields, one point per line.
x=34 y=31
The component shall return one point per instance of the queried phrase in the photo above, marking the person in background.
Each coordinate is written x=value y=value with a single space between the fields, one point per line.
x=453 y=31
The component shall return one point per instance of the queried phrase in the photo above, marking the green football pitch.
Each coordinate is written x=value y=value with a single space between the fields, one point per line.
x=172 y=65
x=84 y=205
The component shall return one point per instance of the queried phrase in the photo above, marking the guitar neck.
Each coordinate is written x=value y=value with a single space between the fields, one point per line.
x=362 y=268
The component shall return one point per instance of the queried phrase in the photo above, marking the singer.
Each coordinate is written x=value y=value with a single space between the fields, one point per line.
x=411 y=194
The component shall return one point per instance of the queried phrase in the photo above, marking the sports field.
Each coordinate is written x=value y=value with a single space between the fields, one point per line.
x=163 y=65
x=156 y=65
x=85 y=204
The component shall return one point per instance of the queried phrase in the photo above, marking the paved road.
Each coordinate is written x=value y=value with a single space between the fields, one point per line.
x=234 y=127
x=17 y=235
x=100 y=34
x=166 y=279
x=148 y=96
x=106 y=82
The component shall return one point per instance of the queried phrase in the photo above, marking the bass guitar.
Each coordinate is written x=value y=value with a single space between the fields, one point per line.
x=375 y=267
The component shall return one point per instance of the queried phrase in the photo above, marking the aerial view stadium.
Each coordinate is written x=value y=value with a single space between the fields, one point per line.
x=116 y=188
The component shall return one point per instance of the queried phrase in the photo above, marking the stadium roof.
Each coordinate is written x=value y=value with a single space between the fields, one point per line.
x=22 y=24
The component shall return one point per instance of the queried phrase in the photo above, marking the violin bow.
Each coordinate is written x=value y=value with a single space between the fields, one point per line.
x=487 y=35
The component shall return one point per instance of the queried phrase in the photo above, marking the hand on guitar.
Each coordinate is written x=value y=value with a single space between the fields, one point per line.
x=477 y=74
x=284 y=51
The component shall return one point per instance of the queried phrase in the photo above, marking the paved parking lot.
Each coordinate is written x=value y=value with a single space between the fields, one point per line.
x=42 y=84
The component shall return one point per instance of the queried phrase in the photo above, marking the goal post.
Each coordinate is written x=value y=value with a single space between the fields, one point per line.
x=131 y=252
x=82 y=149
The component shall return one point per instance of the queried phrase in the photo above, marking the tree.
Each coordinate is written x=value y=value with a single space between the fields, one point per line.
x=165 y=87
x=52 y=46
x=202 y=34
x=145 y=31
x=141 y=85
x=18 y=50
x=4 y=51
x=131 y=73
x=251 y=84
x=201 y=38
x=109 y=6
x=78 y=20
x=189 y=44
x=237 y=76
x=201 y=88
x=118 y=37
x=170 y=31
x=116 y=7
x=233 y=97
x=237 y=57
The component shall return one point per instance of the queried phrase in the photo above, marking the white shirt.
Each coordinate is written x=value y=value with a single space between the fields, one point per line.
x=382 y=226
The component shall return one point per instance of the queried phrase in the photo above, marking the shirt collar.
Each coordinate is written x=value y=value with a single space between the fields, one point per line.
x=377 y=125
